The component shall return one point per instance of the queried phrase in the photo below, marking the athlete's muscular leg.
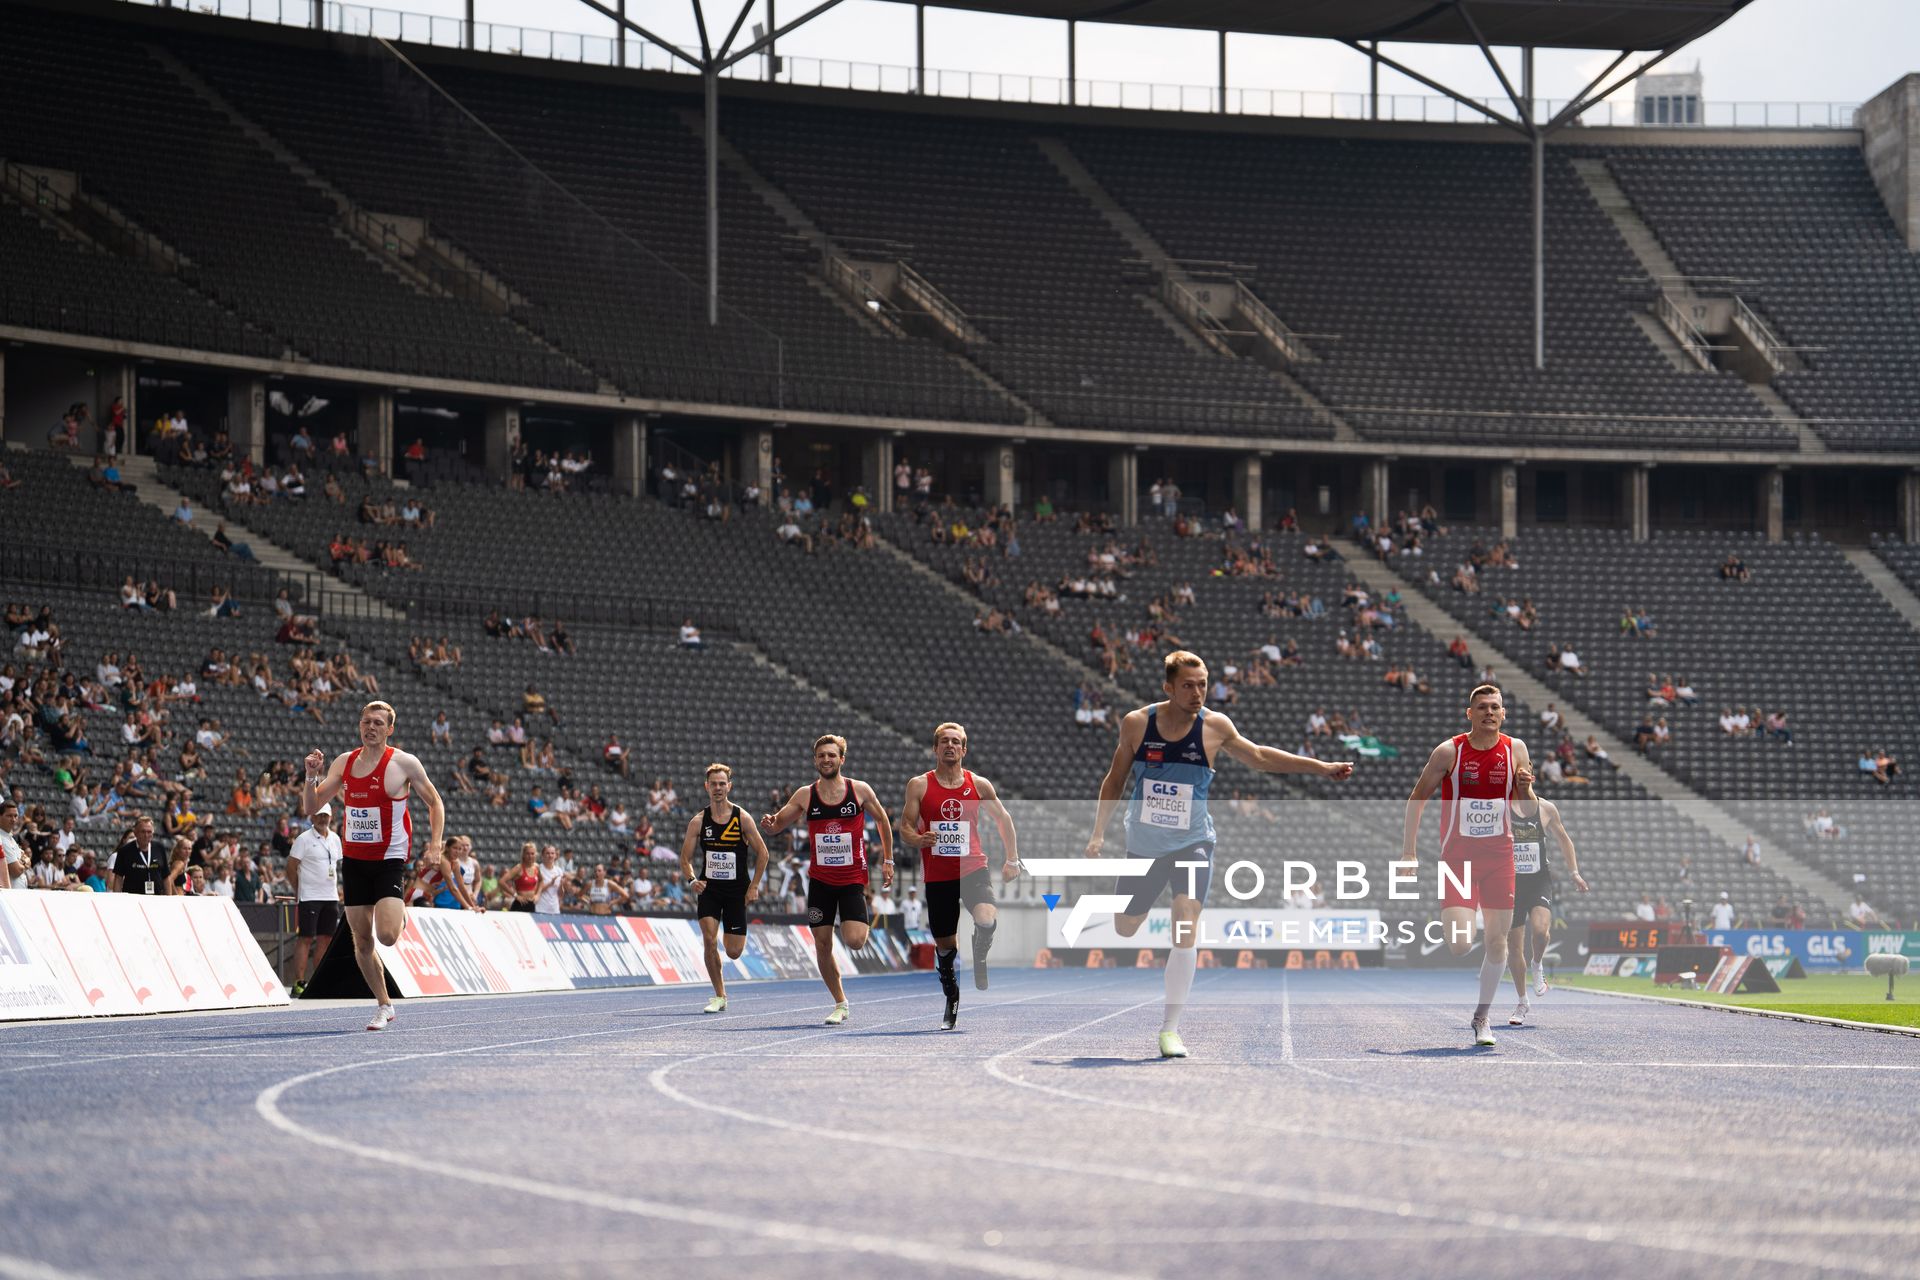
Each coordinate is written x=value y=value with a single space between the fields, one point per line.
x=1499 y=925
x=1517 y=958
x=361 y=921
x=736 y=945
x=1186 y=920
x=389 y=918
x=985 y=914
x=829 y=967
x=1127 y=926
x=710 y=953
x=1542 y=933
x=1457 y=924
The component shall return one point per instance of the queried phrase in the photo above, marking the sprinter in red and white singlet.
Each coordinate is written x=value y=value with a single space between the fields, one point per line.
x=375 y=782
x=1478 y=775
x=942 y=819
x=836 y=809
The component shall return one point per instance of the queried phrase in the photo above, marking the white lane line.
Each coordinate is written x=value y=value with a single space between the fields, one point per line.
x=1632 y=1236
x=17 y=1268
x=267 y=1104
x=1287 y=1054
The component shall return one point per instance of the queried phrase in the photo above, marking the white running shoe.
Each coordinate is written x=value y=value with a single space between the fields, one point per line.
x=716 y=1005
x=1482 y=1033
x=1520 y=1012
x=1171 y=1045
x=1540 y=978
x=839 y=1015
x=382 y=1016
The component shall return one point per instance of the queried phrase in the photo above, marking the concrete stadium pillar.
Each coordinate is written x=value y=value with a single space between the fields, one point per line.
x=1123 y=486
x=503 y=435
x=374 y=427
x=630 y=455
x=1639 y=487
x=876 y=472
x=1890 y=141
x=247 y=416
x=1507 y=498
x=1248 y=487
x=1002 y=466
x=1773 y=502
x=110 y=378
x=1910 y=508
x=1376 y=492
x=756 y=461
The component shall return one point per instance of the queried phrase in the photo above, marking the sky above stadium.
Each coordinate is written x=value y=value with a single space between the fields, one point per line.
x=1773 y=51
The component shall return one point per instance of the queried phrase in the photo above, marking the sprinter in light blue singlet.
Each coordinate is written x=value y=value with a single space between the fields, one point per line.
x=1162 y=771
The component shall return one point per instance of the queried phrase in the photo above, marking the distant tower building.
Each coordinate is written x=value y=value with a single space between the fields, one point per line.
x=1673 y=99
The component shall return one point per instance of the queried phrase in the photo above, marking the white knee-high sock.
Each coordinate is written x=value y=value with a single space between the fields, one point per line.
x=1490 y=974
x=1181 y=962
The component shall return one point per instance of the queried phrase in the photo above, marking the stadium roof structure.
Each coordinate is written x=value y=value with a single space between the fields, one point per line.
x=1658 y=28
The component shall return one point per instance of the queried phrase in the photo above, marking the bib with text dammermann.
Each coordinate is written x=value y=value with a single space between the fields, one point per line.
x=833 y=848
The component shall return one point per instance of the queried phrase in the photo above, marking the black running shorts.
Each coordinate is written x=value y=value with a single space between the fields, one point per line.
x=825 y=902
x=1143 y=890
x=366 y=881
x=319 y=918
x=725 y=901
x=1533 y=889
x=946 y=897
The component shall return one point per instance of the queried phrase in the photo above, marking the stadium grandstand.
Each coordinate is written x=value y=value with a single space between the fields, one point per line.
x=613 y=413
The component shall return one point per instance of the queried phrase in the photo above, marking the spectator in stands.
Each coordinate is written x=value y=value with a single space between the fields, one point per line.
x=690 y=635
x=1871 y=766
x=1721 y=914
x=614 y=754
x=1862 y=915
x=1459 y=651
x=440 y=733
x=1776 y=727
x=534 y=703
x=1662 y=733
x=1821 y=825
x=1643 y=909
x=1570 y=661
x=1781 y=912
x=1734 y=569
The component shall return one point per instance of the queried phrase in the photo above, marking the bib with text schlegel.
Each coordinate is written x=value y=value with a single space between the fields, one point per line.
x=1167 y=805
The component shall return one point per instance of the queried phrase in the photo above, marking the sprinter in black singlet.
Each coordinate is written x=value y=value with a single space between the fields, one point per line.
x=1533 y=896
x=721 y=833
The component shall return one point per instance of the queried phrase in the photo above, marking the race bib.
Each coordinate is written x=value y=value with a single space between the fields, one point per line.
x=721 y=866
x=1167 y=805
x=363 y=825
x=1480 y=819
x=953 y=839
x=833 y=848
x=1526 y=857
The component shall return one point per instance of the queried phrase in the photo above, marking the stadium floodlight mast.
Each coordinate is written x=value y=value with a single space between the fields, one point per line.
x=1659 y=28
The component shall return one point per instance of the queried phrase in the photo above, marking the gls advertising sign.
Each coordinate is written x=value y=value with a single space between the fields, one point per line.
x=1827 y=950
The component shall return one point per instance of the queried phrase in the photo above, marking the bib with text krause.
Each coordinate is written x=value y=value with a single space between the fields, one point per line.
x=952 y=839
x=363 y=825
x=722 y=865
x=1166 y=804
x=1480 y=819
x=1526 y=857
x=833 y=848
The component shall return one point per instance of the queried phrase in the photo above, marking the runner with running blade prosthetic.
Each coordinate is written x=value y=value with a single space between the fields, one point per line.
x=375 y=782
x=1533 y=897
x=1165 y=755
x=1479 y=774
x=941 y=817
x=720 y=833
x=836 y=808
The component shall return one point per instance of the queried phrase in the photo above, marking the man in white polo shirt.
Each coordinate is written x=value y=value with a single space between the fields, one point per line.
x=313 y=864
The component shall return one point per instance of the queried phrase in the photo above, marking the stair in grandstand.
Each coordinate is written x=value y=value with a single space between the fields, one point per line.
x=1697 y=323
x=1514 y=676
x=401 y=245
x=142 y=473
x=1884 y=580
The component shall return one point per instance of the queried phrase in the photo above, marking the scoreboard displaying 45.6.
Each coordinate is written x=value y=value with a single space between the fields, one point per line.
x=1623 y=936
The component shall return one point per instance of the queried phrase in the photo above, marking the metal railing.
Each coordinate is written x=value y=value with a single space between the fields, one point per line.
x=635 y=53
x=471 y=602
x=1675 y=318
x=939 y=306
x=423 y=257
x=1187 y=305
x=1759 y=333
x=1266 y=324
x=90 y=217
x=191 y=581
x=847 y=278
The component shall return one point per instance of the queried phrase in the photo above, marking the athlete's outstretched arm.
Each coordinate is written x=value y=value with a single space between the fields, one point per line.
x=990 y=801
x=871 y=803
x=416 y=773
x=759 y=860
x=1550 y=815
x=314 y=794
x=1429 y=782
x=1133 y=730
x=687 y=846
x=1274 y=760
x=787 y=814
x=910 y=832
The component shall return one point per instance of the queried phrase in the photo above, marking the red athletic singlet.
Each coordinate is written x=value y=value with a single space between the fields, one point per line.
x=1476 y=827
x=837 y=834
x=952 y=813
x=375 y=824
